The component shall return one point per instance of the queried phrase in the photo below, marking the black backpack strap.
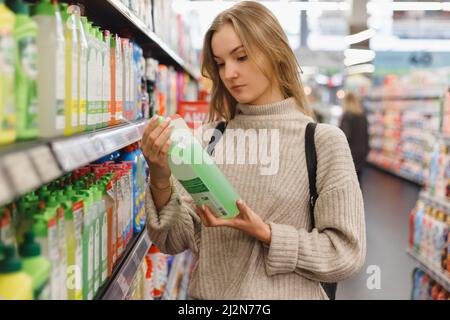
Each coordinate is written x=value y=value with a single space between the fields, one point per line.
x=221 y=126
x=311 y=164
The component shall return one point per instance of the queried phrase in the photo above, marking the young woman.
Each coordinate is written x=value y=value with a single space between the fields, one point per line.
x=354 y=125
x=266 y=252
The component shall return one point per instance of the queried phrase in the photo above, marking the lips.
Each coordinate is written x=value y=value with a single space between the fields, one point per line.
x=237 y=86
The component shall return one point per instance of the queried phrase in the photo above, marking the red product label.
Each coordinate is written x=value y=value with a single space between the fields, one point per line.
x=77 y=206
x=52 y=222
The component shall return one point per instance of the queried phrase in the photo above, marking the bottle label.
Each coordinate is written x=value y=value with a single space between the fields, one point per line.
x=60 y=120
x=83 y=86
x=27 y=50
x=7 y=97
x=74 y=84
x=104 y=251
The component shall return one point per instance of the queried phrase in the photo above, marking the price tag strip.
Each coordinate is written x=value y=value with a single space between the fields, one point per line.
x=45 y=163
x=20 y=170
x=5 y=190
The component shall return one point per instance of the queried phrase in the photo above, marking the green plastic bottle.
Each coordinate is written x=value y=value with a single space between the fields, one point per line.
x=74 y=222
x=15 y=284
x=192 y=166
x=7 y=96
x=25 y=35
x=36 y=266
x=61 y=243
x=87 y=245
x=46 y=233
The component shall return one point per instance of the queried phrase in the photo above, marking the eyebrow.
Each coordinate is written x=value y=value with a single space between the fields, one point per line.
x=232 y=51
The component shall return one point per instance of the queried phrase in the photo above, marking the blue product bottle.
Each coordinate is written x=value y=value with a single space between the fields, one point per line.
x=142 y=185
x=418 y=224
x=129 y=154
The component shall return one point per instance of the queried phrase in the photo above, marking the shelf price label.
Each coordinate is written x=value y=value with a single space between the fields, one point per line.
x=70 y=153
x=20 y=169
x=5 y=189
x=45 y=163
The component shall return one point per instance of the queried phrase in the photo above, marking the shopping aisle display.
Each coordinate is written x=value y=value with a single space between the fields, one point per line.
x=72 y=216
x=429 y=221
x=405 y=119
x=425 y=288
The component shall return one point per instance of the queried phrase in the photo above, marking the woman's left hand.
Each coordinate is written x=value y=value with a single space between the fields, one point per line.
x=247 y=221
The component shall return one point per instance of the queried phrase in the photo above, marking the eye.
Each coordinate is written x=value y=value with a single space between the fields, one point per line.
x=243 y=58
x=220 y=65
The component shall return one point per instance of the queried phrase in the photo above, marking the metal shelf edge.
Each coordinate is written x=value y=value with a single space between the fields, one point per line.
x=118 y=286
x=120 y=7
x=438 y=275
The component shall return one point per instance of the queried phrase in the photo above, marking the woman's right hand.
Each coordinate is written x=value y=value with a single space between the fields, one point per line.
x=155 y=146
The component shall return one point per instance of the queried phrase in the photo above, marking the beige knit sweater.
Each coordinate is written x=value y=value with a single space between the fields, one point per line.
x=233 y=265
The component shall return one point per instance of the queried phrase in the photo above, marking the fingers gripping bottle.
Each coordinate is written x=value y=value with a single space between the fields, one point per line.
x=192 y=166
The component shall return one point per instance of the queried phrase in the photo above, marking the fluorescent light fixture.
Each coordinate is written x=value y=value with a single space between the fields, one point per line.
x=362 y=68
x=373 y=6
x=360 y=36
x=357 y=56
x=181 y=5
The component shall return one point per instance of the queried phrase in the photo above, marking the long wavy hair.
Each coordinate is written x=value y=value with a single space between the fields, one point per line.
x=260 y=32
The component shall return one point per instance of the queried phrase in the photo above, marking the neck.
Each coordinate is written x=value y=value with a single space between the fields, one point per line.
x=268 y=97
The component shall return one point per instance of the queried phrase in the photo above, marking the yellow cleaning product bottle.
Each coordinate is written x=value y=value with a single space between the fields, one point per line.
x=14 y=283
x=7 y=97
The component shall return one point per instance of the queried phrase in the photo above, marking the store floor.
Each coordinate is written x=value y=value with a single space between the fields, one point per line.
x=388 y=201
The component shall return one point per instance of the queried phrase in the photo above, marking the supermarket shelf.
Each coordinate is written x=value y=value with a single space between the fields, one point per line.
x=116 y=16
x=439 y=276
x=435 y=201
x=119 y=284
x=398 y=174
x=74 y=152
x=24 y=166
x=428 y=96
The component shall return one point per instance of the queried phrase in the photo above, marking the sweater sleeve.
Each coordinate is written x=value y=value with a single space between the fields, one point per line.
x=177 y=226
x=335 y=249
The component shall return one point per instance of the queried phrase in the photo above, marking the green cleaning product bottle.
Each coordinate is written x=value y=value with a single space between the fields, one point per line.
x=75 y=269
x=51 y=69
x=192 y=166
x=7 y=95
x=14 y=283
x=72 y=60
x=36 y=266
x=102 y=234
x=46 y=233
x=25 y=35
x=61 y=243
x=96 y=234
x=88 y=245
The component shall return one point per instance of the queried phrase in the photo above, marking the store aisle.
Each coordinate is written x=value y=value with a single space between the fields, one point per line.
x=388 y=201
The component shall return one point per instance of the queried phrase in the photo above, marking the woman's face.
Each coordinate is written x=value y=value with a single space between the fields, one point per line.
x=241 y=76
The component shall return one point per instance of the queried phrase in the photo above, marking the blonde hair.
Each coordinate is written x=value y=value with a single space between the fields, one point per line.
x=258 y=29
x=352 y=104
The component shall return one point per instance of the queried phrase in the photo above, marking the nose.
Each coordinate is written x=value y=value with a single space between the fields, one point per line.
x=231 y=71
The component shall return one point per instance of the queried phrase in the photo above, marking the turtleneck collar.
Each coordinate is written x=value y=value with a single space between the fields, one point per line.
x=286 y=106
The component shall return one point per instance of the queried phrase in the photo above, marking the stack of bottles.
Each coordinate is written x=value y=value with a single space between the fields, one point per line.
x=62 y=75
x=437 y=182
x=429 y=235
x=425 y=288
x=82 y=222
x=161 y=276
x=445 y=110
x=166 y=87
